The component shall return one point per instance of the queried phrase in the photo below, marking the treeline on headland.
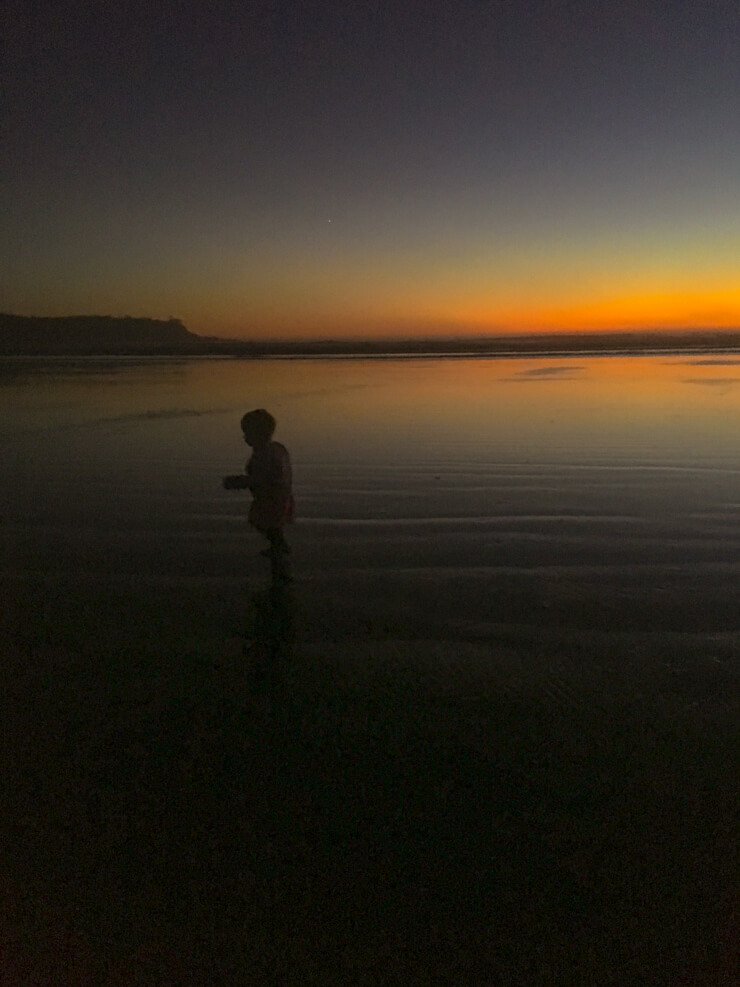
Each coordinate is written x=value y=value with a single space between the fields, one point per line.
x=96 y=335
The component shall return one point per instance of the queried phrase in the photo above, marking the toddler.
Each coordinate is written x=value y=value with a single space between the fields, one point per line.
x=268 y=476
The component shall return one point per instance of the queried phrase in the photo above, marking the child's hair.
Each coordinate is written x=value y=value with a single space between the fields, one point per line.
x=261 y=421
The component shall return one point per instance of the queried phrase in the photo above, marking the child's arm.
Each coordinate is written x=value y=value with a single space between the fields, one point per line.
x=238 y=481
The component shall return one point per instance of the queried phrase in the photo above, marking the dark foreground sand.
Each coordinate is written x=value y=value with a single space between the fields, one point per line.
x=532 y=802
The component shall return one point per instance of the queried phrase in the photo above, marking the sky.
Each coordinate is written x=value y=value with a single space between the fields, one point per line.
x=329 y=169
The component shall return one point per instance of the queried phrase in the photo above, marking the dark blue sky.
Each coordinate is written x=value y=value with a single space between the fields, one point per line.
x=329 y=168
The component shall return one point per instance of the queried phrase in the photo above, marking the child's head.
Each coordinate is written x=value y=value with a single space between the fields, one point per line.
x=258 y=426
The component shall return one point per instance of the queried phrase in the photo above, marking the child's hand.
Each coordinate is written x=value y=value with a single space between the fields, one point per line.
x=238 y=481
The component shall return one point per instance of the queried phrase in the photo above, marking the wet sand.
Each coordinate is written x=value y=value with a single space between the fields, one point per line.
x=433 y=781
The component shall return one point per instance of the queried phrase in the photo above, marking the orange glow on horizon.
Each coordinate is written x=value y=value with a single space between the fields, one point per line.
x=644 y=313
x=450 y=306
x=668 y=311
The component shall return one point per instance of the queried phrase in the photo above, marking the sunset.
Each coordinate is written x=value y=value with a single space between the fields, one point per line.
x=299 y=170
x=370 y=502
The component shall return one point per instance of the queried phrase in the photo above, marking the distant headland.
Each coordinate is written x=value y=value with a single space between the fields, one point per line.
x=96 y=335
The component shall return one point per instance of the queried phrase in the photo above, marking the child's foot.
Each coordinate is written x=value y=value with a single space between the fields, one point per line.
x=267 y=553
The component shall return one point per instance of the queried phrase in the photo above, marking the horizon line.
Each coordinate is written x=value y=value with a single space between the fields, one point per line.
x=473 y=337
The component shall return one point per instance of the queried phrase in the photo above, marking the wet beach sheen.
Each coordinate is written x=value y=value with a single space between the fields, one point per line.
x=495 y=734
x=610 y=483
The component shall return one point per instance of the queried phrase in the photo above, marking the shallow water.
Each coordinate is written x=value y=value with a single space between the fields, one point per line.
x=600 y=490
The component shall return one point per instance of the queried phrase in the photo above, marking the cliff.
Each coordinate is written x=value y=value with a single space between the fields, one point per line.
x=94 y=335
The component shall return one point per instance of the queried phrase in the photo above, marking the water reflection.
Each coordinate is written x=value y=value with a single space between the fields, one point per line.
x=270 y=635
x=454 y=519
x=600 y=465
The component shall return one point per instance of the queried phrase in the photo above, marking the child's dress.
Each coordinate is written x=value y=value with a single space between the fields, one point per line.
x=270 y=480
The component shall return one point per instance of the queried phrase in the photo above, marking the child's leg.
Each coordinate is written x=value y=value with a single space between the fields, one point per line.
x=278 y=549
x=277 y=540
x=278 y=552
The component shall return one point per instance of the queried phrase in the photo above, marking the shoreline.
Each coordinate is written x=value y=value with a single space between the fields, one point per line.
x=543 y=345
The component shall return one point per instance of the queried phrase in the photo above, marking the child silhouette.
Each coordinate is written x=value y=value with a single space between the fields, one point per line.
x=268 y=476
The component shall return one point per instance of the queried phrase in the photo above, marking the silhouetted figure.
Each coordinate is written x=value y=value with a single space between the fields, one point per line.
x=268 y=476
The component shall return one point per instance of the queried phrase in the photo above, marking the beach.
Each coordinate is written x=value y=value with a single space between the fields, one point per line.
x=522 y=805
x=489 y=734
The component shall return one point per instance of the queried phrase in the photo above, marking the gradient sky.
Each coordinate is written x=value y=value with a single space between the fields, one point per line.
x=285 y=169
